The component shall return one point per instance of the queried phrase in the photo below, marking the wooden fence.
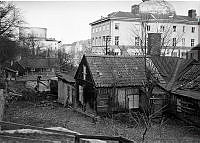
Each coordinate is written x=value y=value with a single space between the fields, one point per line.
x=71 y=135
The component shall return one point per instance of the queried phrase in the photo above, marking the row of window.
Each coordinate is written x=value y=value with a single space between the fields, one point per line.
x=162 y=28
x=174 y=42
x=100 y=28
x=101 y=41
x=148 y=28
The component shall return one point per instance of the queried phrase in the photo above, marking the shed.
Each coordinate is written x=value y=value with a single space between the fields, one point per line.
x=66 y=90
x=109 y=83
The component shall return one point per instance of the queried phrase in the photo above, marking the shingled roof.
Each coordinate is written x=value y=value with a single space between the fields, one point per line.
x=116 y=70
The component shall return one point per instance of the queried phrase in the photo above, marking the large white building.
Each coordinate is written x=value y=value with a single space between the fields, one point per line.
x=38 y=38
x=125 y=32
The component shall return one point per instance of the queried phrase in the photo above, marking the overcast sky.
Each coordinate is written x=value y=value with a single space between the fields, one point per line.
x=68 y=21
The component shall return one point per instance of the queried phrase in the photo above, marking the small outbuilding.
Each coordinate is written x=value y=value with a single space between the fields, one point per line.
x=109 y=83
x=66 y=89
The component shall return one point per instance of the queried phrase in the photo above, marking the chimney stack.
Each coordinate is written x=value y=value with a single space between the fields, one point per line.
x=192 y=13
x=135 y=9
x=154 y=44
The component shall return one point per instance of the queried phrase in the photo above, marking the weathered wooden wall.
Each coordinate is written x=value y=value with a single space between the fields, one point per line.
x=117 y=99
x=185 y=108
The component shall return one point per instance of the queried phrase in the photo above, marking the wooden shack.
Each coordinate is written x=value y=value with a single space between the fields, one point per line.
x=109 y=83
x=66 y=90
x=185 y=95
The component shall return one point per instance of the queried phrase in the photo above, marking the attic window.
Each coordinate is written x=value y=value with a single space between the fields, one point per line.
x=84 y=72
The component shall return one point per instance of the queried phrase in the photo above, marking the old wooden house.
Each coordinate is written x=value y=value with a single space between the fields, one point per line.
x=109 y=83
x=66 y=89
x=185 y=93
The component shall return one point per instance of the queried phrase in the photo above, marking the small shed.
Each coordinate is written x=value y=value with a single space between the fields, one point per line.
x=66 y=90
x=109 y=83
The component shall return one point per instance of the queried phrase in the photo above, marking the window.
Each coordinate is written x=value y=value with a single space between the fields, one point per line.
x=148 y=27
x=192 y=42
x=80 y=94
x=174 y=28
x=133 y=101
x=183 y=54
x=162 y=28
x=174 y=42
x=178 y=104
x=183 y=28
x=100 y=41
x=84 y=72
x=116 y=40
x=183 y=41
x=137 y=41
x=116 y=26
x=193 y=29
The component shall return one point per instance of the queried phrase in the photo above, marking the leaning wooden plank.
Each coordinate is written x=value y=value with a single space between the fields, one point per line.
x=68 y=134
x=11 y=139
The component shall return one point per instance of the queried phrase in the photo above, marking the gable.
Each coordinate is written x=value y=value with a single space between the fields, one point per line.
x=83 y=68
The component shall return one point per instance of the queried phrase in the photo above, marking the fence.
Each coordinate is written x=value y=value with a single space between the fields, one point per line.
x=71 y=135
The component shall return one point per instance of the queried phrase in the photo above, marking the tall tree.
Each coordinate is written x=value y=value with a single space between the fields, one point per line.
x=10 y=19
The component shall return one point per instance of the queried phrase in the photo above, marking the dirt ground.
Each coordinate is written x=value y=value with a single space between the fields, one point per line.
x=52 y=114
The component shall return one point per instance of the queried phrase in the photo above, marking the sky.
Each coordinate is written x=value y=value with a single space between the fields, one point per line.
x=68 y=21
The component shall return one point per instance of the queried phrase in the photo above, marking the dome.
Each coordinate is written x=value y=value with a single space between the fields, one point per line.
x=157 y=7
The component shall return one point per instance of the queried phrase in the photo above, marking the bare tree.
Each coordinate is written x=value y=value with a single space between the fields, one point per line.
x=30 y=43
x=10 y=19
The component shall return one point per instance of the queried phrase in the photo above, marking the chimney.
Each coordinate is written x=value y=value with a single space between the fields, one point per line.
x=135 y=9
x=192 y=13
x=154 y=44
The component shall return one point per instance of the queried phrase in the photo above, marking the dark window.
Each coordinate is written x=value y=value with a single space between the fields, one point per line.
x=183 y=28
x=193 y=29
x=174 y=28
x=174 y=42
x=137 y=41
x=117 y=26
x=192 y=42
x=148 y=28
x=116 y=40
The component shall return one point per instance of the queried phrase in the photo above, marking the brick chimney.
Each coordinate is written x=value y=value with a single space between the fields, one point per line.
x=154 y=44
x=192 y=13
x=135 y=9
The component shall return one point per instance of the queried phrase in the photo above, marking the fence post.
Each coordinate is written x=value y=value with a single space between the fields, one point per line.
x=77 y=139
x=2 y=103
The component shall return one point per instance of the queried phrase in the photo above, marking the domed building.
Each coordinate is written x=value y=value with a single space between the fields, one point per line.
x=124 y=33
x=158 y=8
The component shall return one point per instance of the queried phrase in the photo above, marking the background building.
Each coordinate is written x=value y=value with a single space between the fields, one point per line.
x=125 y=32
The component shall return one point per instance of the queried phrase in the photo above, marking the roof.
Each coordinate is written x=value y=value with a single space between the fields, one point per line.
x=66 y=77
x=166 y=65
x=197 y=47
x=38 y=62
x=11 y=70
x=116 y=70
x=130 y=16
x=188 y=93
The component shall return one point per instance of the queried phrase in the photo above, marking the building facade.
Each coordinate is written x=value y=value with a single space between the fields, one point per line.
x=127 y=31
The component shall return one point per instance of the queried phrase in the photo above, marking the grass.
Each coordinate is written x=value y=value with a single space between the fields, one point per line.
x=53 y=115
